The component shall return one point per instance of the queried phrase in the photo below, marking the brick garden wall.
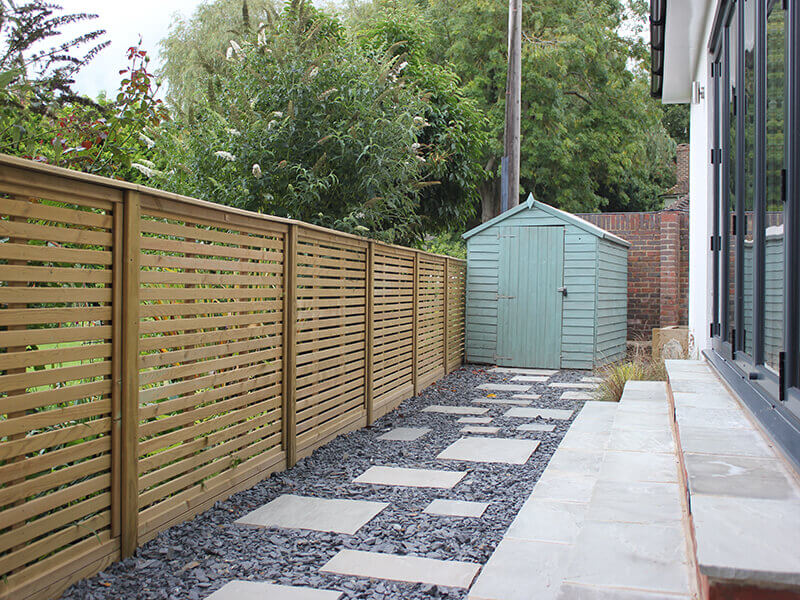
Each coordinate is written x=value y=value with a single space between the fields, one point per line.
x=658 y=266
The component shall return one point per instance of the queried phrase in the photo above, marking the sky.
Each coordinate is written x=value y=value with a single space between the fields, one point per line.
x=124 y=21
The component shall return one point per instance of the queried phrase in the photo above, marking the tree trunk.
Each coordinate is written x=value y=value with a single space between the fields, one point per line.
x=490 y=199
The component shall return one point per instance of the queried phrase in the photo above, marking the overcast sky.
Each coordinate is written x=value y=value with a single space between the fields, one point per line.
x=124 y=21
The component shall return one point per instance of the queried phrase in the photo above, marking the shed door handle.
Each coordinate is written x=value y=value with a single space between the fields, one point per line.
x=563 y=290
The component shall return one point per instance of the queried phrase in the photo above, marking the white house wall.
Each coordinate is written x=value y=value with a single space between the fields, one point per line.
x=701 y=199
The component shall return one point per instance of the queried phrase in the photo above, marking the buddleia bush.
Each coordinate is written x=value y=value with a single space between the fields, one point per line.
x=304 y=124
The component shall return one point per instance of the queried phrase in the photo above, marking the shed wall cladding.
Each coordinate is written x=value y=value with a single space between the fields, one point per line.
x=594 y=321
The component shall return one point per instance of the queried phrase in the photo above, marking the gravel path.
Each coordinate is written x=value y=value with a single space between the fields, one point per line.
x=191 y=560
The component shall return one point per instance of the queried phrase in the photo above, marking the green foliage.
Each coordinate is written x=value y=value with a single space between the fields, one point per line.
x=676 y=121
x=305 y=125
x=639 y=367
x=455 y=133
x=449 y=243
x=592 y=138
x=42 y=118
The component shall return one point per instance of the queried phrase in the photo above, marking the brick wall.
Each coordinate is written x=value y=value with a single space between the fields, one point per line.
x=658 y=266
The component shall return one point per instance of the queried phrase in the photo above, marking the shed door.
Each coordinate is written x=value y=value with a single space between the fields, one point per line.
x=530 y=298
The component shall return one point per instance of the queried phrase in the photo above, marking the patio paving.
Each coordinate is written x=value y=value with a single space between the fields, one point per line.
x=403 y=476
x=490 y=450
x=415 y=569
x=456 y=410
x=258 y=590
x=456 y=508
x=405 y=434
x=318 y=514
x=544 y=413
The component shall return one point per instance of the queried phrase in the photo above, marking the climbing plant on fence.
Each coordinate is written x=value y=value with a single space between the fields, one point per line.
x=160 y=353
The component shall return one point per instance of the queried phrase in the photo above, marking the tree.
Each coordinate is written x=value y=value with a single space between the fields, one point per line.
x=305 y=125
x=193 y=54
x=589 y=126
x=43 y=118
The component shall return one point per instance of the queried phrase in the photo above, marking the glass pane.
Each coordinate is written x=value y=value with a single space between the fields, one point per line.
x=748 y=193
x=774 y=241
x=730 y=68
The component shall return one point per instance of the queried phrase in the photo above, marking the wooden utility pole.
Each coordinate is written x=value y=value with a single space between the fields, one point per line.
x=510 y=184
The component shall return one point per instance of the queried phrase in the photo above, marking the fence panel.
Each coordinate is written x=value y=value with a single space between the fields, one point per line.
x=430 y=329
x=331 y=338
x=210 y=360
x=56 y=256
x=159 y=353
x=456 y=284
x=393 y=284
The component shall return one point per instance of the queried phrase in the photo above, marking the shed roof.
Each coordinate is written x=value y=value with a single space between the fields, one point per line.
x=559 y=214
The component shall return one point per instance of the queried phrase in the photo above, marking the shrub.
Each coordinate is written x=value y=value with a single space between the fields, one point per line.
x=640 y=367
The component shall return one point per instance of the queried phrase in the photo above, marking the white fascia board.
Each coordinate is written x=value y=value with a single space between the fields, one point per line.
x=684 y=44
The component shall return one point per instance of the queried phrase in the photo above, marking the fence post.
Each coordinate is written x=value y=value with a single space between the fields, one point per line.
x=415 y=325
x=370 y=331
x=129 y=384
x=446 y=310
x=290 y=345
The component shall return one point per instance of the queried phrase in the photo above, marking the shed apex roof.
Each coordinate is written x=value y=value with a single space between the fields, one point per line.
x=560 y=214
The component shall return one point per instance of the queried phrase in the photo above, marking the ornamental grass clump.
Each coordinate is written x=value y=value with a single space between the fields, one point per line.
x=638 y=368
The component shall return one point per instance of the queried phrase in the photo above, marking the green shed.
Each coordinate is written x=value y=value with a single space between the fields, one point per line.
x=545 y=289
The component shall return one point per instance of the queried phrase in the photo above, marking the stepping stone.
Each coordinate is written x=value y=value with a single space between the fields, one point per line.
x=502 y=401
x=455 y=410
x=490 y=450
x=456 y=508
x=576 y=396
x=402 y=476
x=530 y=378
x=522 y=570
x=535 y=427
x=503 y=387
x=258 y=590
x=475 y=420
x=415 y=569
x=575 y=385
x=592 y=379
x=515 y=371
x=405 y=434
x=526 y=412
x=317 y=514
x=526 y=396
x=479 y=429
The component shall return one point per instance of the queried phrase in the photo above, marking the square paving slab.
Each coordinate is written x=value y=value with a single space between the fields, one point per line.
x=548 y=521
x=503 y=387
x=405 y=434
x=739 y=476
x=317 y=514
x=447 y=573
x=639 y=466
x=631 y=555
x=258 y=590
x=515 y=371
x=526 y=396
x=480 y=429
x=592 y=379
x=522 y=570
x=509 y=401
x=401 y=476
x=455 y=410
x=573 y=385
x=456 y=508
x=535 y=427
x=475 y=420
x=530 y=378
x=533 y=413
x=490 y=450
x=576 y=396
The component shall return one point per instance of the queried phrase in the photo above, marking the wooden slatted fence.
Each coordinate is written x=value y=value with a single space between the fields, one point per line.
x=159 y=353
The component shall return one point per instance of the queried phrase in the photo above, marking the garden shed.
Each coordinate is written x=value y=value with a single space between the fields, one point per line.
x=545 y=289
